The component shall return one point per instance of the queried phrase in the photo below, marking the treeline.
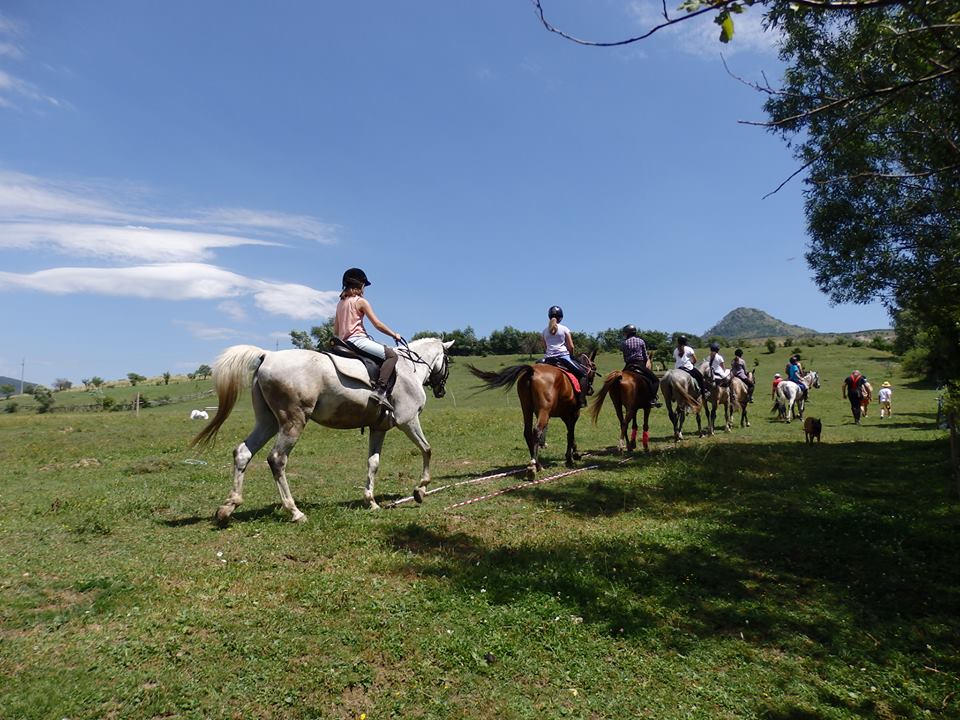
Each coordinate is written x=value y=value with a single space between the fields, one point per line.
x=505 y=341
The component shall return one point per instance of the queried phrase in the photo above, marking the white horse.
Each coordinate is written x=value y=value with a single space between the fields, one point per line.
x=789 y=395
x=290 y=387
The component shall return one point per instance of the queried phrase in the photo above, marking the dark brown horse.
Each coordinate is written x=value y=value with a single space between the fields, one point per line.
x=545 y=391
x=630 y=390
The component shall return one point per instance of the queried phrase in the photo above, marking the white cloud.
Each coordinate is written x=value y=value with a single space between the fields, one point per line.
x=8 y=49
x=13 y=88
x=274 y=223
x=123 y=243
x=205 y=332
x=28 y=198
x=178 y=281
x=700 y=35
x=233 y=309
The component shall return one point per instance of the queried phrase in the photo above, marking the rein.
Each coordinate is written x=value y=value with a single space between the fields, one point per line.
x=416 y=358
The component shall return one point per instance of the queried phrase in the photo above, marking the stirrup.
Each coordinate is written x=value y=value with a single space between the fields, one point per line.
x=379 y=396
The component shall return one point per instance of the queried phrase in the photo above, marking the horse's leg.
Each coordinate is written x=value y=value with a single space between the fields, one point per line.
x=646 y=428
x=264 y=429
x=277 y=460
x=415 y=433
x=373 y=464
x=543 y=417
x=532 y=438
x=622 y=442
x=681 y=416
x=571 y=422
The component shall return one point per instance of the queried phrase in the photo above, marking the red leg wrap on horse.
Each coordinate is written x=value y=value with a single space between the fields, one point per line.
x=633 y=435
x=646 y=439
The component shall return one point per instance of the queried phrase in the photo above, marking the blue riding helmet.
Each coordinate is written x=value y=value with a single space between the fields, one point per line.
x=555 y=312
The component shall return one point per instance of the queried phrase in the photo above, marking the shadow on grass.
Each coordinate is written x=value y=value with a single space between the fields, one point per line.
x=835 y=551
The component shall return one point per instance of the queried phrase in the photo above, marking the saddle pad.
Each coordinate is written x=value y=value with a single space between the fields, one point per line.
x=353 y=369
x=573 y=379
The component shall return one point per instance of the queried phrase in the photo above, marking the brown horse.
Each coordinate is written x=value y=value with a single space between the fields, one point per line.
x=545 y=391
x=630 y=390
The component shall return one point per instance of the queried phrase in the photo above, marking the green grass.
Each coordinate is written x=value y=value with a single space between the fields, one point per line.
x=744 y=575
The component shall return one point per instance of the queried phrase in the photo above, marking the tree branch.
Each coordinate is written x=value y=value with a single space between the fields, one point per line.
x=668 y=21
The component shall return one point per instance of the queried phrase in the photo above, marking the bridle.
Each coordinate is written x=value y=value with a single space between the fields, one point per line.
x=436 y=378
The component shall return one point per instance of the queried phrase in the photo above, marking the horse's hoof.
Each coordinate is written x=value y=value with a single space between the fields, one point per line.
x=222 y=516
x=418 y=494
x=531 y=473
x=373 y=505
x=298 y=517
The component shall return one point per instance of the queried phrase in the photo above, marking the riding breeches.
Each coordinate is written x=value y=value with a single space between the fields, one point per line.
x=371 y=347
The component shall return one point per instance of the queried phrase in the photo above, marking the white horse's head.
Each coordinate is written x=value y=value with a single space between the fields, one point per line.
x=432 y=353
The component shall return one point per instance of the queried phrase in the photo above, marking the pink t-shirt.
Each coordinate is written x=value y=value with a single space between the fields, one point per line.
x=349 y=318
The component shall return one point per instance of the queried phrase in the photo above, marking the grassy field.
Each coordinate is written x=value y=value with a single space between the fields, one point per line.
x=739 y=576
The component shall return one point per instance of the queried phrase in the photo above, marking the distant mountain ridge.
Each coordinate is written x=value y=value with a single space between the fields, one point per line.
x=27 y=386
x=749 y=323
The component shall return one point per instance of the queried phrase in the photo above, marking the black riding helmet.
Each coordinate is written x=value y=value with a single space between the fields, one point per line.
x=355 y=277
x=629 y=330
x=681 y=339
x=555 y=312
x=738 y=352
x=715 y=347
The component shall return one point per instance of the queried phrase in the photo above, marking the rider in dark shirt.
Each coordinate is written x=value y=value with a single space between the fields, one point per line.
x=636 y=359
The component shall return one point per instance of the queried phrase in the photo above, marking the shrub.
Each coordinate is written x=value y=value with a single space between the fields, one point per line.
x=839 y=340
x=10 y=407
x=856 y=343
x=771 y=346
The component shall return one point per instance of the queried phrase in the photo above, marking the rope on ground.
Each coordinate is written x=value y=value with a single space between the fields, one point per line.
x=410 y=498
x=528 y=483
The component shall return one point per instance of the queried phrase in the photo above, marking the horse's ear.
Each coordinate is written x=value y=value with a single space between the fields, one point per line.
x=448 y=344
x=593 y=355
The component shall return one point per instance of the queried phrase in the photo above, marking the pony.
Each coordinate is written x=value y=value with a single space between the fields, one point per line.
x=290 y=387
x=545 y=391
x=679 y=386
x=789 y=395
x=630 y=390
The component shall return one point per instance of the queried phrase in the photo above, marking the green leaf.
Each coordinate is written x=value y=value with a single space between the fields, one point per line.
x=726 y=29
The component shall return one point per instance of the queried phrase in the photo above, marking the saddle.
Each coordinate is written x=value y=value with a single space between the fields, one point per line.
x=561 y=368
x=644 y=373
x=354 y=363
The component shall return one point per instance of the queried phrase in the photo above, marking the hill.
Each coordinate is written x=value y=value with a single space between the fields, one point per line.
x=752 y=323
x=27 y=386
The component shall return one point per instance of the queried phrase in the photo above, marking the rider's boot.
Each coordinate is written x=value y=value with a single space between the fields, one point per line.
x=380 y=396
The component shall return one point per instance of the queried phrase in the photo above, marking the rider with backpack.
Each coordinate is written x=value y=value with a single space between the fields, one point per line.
x=853 y=390
x=558 y=349
x=348 y=326
x=636 y=359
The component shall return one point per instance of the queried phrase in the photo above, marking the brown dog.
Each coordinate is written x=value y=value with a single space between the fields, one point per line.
x=811 y=429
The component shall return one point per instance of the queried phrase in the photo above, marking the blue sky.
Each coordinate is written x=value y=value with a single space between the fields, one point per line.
x=179 y=177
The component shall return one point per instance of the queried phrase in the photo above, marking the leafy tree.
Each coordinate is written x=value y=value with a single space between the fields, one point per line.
x=771 y=345
x=506 y=341
x=62 y=384
x=96 y=381
x=135 y=378
x=166 y=378
x=531 y=343
x=301 y=339
x=44 y=398
x=203 y=371
x=7 y=390
x=466 y=342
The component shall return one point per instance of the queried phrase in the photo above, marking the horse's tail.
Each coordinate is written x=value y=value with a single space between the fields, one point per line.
x=608 y=382
x=503 y=379
x=231 y=371
x=694 y=403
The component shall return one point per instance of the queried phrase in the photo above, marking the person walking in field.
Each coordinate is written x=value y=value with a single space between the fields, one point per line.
x=348 y=325
x=853 y=390
x=558 y=350
x=885 y=397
